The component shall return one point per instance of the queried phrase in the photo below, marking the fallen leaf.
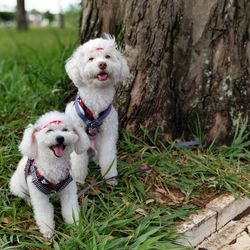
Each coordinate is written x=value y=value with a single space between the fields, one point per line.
x=174 y=153
x=168 y=196
x=7 y=220
x=32 y=226
x=141 y=211
x=149 y=201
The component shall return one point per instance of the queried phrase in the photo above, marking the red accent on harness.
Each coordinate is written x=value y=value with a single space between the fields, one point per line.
x=86 y=110
x=42 y=178
x=53 y=122
x=99 y=48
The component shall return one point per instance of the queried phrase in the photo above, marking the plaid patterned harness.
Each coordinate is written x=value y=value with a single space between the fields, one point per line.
x=41 y=182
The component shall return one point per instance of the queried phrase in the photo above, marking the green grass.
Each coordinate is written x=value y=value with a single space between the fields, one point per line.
x=142 y=211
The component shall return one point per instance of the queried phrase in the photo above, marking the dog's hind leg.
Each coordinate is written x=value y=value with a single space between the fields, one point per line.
x=79 y=164
x=69 y=203
x=18 y=186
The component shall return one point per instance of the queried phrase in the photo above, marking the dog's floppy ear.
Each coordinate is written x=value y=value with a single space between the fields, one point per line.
x=72 y=69
x=28 y=146
x=83 y=142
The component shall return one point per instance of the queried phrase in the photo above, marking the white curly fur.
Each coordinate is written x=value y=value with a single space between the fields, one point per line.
x=83 y=68
x=36 y=144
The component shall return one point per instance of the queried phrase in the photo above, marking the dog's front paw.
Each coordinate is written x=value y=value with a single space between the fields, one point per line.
x=112 y=181
x=46 y=231
x=72 y=218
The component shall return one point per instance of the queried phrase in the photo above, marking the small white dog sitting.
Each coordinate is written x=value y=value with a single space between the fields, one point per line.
x=95 y=68
x=45 y=168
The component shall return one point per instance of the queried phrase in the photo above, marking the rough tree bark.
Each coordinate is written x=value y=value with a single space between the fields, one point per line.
x=21 y=18
x=189 y=61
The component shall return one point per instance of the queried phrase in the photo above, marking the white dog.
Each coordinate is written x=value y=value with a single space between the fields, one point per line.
x=95 y=68
x=45 y=168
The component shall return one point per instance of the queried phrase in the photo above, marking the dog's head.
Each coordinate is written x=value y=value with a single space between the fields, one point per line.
x=97 y=63
x=53 y=135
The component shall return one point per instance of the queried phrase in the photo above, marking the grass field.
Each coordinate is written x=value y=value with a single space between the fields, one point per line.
x=142 y=211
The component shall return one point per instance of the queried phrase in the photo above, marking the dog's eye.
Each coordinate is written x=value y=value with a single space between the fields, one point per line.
x=107 y=56
x=49 y=130
x=91 y=58
x=65 y=130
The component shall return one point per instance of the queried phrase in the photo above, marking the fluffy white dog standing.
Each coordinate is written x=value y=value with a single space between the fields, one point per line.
x=45 y=168
x=95 y=68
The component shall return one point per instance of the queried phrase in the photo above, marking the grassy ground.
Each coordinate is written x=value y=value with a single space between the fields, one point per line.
x=142 y=211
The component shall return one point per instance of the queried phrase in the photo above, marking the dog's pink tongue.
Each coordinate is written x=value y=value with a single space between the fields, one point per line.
x=102 y=77
x=59 y=151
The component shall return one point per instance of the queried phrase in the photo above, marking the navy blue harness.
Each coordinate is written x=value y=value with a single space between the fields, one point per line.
x=41 y=182
x=93 y=125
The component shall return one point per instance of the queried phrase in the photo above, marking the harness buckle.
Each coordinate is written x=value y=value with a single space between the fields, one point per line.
x=92 y=128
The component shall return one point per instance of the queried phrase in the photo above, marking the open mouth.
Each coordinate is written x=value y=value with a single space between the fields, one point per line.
x=103 y=76
x=58 y=150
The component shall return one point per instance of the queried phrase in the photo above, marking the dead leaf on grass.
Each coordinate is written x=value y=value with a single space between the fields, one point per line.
x=123 y=157
x=141 y=211
x=149 y=201
x=174 y=153
x=32 y=226
x=6 y=220
x=168 y=196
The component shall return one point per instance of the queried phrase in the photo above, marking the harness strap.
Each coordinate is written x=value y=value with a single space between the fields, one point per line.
x=93 y=125
x=41 y=182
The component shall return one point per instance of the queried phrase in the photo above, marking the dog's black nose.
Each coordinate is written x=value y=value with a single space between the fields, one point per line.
x=102 y=65
x=60 y=139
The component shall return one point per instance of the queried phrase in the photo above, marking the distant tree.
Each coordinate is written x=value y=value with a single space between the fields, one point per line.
x=61 y=20
x=7 y=16
x=21 y=17
x=72 y=15
x=49 y=16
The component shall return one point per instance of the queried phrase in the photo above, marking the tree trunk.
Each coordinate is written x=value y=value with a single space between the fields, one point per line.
x=189 y=62
x=22 y=23
x=61 y=21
